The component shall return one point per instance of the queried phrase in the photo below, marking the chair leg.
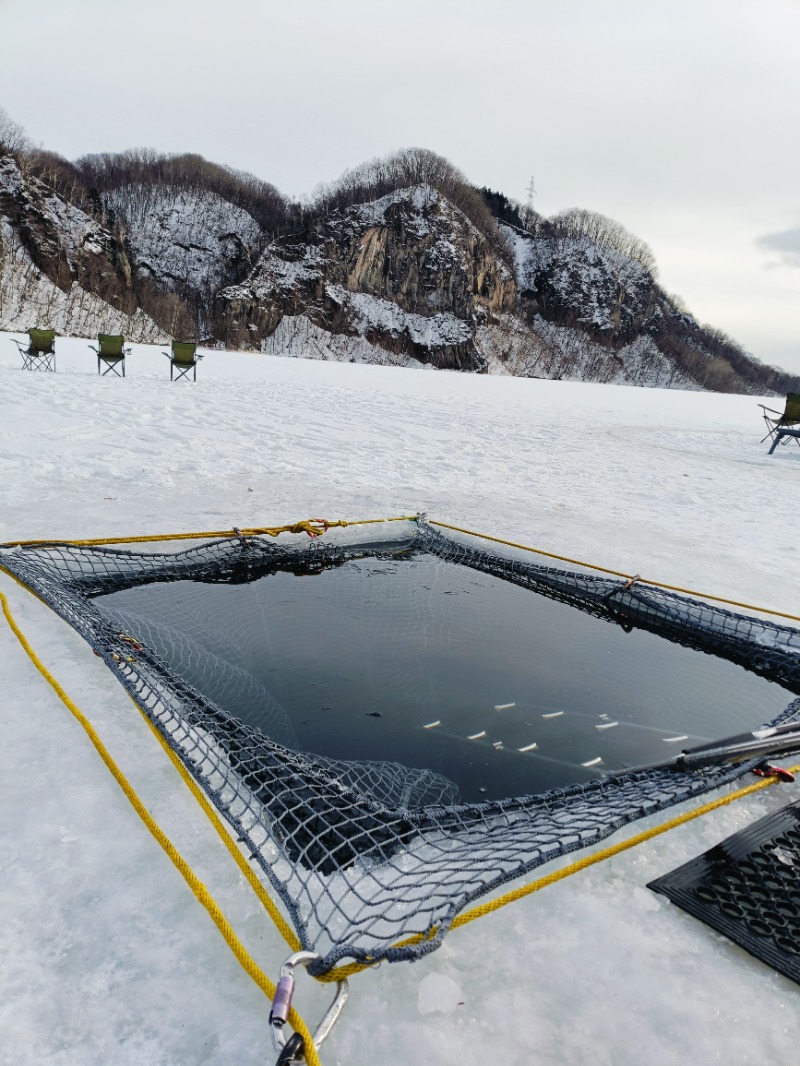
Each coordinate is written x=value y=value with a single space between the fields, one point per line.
x=41 y=361
x=112 y=367
x=771 y=430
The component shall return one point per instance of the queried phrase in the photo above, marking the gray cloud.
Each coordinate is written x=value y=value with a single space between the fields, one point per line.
x=786 y=244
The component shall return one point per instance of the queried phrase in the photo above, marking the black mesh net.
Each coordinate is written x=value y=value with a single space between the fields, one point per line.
x=376 y=840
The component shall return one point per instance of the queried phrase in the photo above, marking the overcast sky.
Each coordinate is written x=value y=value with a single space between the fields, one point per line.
x=679 y=120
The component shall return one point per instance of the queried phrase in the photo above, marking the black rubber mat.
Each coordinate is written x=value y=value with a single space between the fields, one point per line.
x=748 y=888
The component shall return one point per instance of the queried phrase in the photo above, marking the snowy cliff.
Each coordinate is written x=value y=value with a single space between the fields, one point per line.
x=413 y=276
x=60 y=268
x=190 y=240
x=408 y=273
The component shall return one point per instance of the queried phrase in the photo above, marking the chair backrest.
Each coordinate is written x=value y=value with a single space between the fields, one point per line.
x=42 y=340
x=110 y=344
x=792 y=412
x=183 y=352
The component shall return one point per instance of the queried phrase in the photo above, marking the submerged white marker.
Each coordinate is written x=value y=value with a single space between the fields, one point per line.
x=432 y=725
x=477 y=736
x=553 y=714
x=593 y=762
x=529 y=747
x=607 y=725
x=504 y=706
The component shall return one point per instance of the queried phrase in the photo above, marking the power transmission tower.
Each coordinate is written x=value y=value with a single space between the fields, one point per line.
x=529 y=212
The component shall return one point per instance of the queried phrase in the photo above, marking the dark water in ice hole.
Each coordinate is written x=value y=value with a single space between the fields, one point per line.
x=363 y=658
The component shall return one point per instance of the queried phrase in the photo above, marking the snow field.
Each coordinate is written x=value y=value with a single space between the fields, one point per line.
x=107 y=955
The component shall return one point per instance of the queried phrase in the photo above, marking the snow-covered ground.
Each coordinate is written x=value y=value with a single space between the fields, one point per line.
x=107 y=956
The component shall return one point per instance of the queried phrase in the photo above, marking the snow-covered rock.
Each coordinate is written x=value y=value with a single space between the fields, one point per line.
x=59 y=268
x=187 y=239
x=28 y=297
x=408 y=271
x=596 y=286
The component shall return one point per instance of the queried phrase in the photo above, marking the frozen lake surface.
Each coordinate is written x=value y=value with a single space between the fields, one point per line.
x=108 y=956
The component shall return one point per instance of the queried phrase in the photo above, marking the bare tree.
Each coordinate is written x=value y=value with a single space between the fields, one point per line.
x=580 y=223
x=13 y=138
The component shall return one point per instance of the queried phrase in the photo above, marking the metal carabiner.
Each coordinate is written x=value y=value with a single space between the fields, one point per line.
x=282 y=1003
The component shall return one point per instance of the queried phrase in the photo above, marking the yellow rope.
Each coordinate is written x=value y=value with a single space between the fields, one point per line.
x=616 y=573
x=200 y=891
x=315 y=527
x=283 y=926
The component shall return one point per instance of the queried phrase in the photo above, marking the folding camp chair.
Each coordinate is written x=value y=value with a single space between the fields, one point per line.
x=111 y=352
x=40 y=351
x=182 y=359
x=790 y=417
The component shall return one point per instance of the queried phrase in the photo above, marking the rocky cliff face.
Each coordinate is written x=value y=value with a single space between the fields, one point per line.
x=574 y=281
x=60 y=268
x=63 y=242
x=404 y=278
x=191 y=241
x=408 y=273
